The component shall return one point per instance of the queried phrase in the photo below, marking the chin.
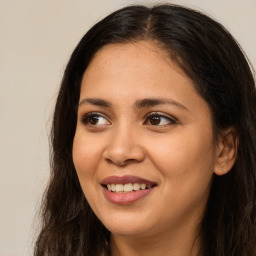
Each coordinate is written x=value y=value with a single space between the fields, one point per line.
x=125 y=226
x=127 y=230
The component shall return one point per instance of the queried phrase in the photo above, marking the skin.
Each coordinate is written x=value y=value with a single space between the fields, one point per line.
x=178 y=153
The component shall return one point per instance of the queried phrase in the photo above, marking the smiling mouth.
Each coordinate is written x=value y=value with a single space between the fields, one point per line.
x=127 y=184
x=128 y=187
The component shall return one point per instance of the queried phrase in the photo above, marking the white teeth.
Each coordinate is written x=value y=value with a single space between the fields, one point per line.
x=129 y=187
x=136 y=186
x=143 y=186
x=119 y=187
x=113 y=187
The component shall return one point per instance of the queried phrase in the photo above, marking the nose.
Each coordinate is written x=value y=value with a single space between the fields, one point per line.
x=123 y=148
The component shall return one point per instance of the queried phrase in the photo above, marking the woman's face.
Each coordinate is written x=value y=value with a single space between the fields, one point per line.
x=141 y=123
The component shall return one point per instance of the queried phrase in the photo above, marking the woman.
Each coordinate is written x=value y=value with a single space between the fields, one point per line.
x=154 y=141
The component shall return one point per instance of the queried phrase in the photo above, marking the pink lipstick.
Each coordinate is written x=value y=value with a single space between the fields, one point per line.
x=126 y=189
x=125 y=179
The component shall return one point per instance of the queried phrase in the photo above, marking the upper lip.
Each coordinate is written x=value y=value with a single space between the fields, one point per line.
x=126 y=179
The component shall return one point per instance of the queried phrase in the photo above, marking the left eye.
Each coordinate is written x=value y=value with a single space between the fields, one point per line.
x=159 y=120
x=94 y=119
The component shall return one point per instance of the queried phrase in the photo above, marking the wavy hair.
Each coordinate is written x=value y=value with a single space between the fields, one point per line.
x=212 y=58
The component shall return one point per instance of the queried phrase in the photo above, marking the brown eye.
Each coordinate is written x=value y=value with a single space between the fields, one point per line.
x=159 y=120
x=94 y=119
x=155 y=120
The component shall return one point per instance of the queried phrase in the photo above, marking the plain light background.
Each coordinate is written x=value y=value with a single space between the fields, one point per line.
x=36 y=40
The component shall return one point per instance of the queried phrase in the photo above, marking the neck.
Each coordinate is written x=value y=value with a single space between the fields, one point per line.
x=176 y=243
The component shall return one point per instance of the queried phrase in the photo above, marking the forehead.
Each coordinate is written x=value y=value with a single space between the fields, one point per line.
x=138 y=65
x=137 y=48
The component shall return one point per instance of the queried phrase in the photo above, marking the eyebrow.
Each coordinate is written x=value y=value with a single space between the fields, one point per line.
x=143 y=103
x=96 y=102
x=151 y=102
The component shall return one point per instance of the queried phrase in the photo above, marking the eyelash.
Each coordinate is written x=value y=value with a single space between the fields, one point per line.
x=171 y=121
x=86 y=118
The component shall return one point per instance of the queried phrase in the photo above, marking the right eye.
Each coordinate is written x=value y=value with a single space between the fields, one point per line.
x=94 y=119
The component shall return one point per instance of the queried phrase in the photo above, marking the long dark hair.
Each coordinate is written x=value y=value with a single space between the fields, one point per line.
x=211 y=57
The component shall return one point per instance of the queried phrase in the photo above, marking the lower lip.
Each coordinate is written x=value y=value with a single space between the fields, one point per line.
x=126 y=198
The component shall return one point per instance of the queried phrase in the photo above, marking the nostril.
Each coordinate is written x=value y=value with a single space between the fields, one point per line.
x=121 y=163
x=116 y=162
x=122 y=153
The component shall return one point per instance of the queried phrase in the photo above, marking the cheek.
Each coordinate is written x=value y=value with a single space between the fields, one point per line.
x=86 y=156
x=185 y=161
x=186 y=168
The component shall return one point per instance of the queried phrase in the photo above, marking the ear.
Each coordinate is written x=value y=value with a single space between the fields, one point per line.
x=227 y=151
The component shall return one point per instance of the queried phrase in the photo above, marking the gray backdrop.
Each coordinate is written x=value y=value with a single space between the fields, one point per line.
x=37 y=38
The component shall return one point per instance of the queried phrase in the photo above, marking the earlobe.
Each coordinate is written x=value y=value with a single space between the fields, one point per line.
x=227 y=151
